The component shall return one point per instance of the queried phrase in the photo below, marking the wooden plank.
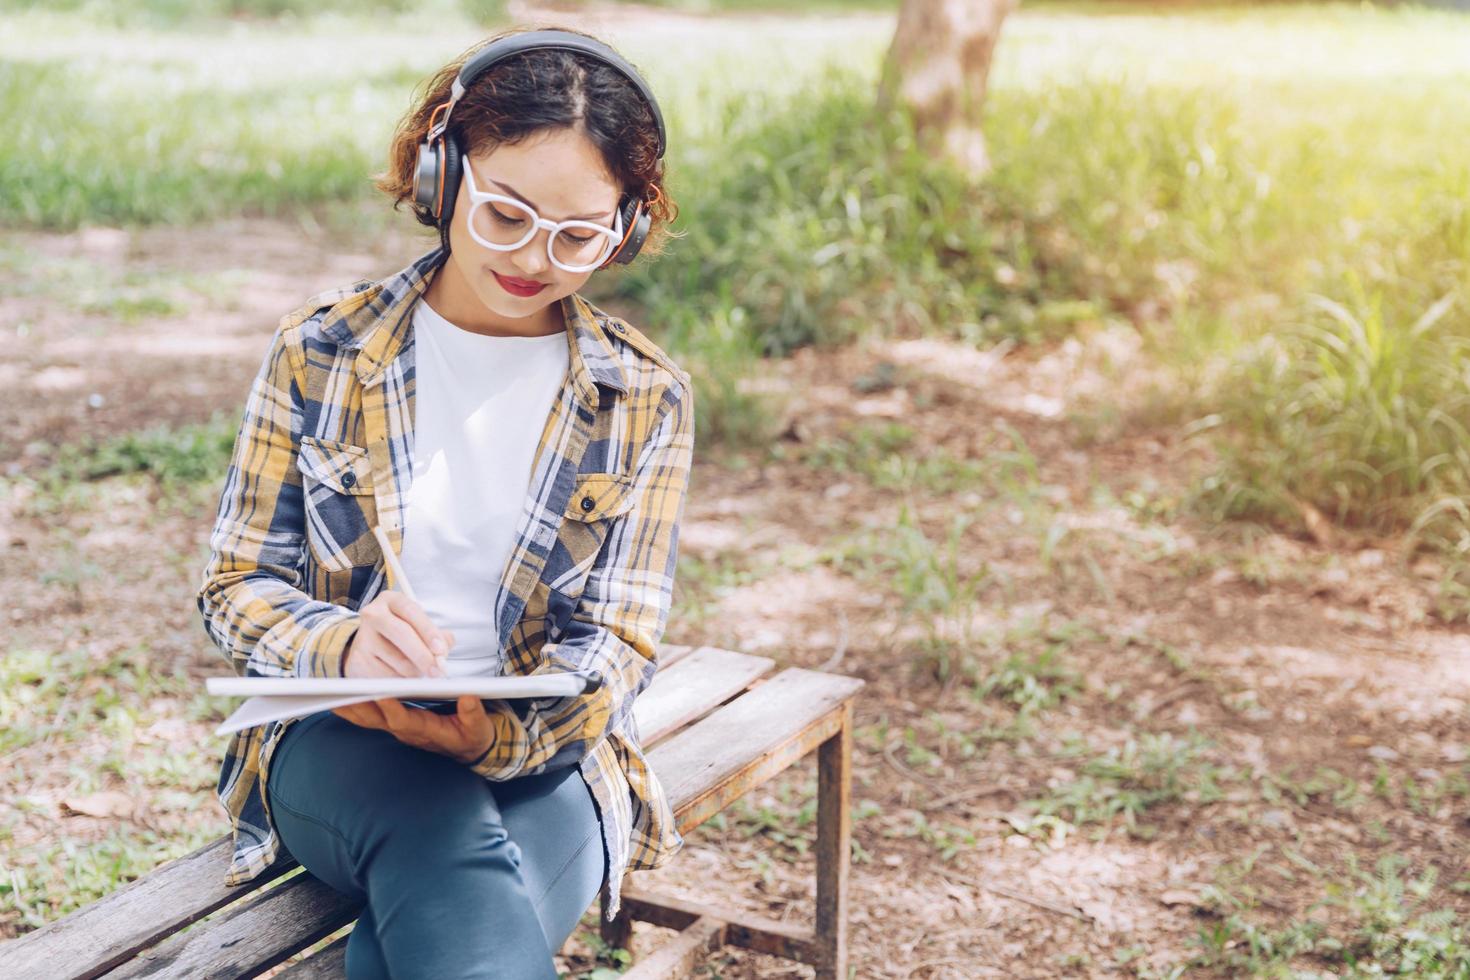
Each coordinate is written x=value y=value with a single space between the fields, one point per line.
x=93 y=940
x=834 y=847
x=110 y=931
x=746 y=931
x=325 y=964
x=679 y=956
x=693 y=687
x=703 y=768
x=251 y=938
x=669 y=655
x=748 y=741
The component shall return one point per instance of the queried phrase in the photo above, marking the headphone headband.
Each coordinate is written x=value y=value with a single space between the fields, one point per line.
x=436 y=170
x=508 y=47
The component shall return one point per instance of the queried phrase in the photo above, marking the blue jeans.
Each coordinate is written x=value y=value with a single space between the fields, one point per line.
x=462 y=877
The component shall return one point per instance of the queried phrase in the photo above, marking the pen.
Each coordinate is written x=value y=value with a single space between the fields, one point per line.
x=400 y=580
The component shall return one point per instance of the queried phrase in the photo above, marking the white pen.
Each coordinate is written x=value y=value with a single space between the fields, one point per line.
x=400 y=580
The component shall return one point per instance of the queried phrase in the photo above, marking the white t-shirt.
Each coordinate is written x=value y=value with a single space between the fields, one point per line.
x=480 y=405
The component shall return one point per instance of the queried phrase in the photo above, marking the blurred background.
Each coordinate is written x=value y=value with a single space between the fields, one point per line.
x=1131 y=471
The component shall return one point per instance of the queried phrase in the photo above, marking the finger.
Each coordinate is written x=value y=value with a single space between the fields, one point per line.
x=372 y=716
x=473 y=720
x=470 y=706
x=349 y=713
x=423 y=729
x=430 y=635
x=475 y=731
x=401 y=720
x=385 y=659
x=407 y=643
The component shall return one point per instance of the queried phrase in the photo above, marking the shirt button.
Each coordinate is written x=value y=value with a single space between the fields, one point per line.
x=588 y=503
x=349 y=479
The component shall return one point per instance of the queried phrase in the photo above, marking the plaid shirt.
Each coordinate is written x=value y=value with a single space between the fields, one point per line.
x=324 y=453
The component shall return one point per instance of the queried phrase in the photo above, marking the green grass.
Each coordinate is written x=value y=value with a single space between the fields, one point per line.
x=1262 y=193
x=197 y=167
x=1383 y=922
x=110 y=706
x=888 y=455
x=808 y=7
x=1130 y=781
x=122 y=292
x=185 y=454
x=202 y=14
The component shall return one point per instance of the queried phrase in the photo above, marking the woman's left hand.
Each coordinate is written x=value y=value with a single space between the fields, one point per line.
x=463 y=736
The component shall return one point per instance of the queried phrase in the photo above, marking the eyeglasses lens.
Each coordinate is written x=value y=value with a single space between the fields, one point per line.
x=509 y=224
x=502 y=223
x=579 y=246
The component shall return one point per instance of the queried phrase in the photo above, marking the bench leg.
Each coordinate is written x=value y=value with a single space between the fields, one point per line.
x=834 y=848
x=824 y=947
x=619 y=932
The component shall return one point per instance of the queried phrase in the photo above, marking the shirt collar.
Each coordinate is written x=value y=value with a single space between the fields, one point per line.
x=374 y=319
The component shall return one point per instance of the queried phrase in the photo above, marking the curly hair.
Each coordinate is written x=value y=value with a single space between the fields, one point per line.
x=529 y=93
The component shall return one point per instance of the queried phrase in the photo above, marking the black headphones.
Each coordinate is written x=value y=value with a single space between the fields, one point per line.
x=437 y=173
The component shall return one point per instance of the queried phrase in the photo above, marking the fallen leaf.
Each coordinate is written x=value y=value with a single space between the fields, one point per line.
x=1317 y=525
x=105 y=804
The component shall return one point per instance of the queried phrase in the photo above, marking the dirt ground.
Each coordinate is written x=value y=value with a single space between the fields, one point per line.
x=1305 y=714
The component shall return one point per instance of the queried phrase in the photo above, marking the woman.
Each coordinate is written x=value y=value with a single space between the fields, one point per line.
x=529 y=458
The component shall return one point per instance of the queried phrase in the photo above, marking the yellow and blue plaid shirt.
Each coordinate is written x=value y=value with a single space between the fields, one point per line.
x=324 y=452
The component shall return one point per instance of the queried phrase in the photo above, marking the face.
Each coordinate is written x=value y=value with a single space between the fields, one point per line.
x=561 y=175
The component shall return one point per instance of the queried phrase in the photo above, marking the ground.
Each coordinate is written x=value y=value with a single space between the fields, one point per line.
x=1099 y=734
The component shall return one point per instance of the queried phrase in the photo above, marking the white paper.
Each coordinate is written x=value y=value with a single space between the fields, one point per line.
x=278 y=698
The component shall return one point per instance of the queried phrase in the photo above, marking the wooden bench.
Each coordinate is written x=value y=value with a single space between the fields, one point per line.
x=714 y=725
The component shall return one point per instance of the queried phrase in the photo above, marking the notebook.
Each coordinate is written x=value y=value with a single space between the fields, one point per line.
x=279 y=698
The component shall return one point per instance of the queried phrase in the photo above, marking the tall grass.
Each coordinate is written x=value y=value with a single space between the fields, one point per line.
x=126 y=119
x=823 y=221
x=199 y=13
x=129 y=155
x=1354 y=412
x=1271 y=197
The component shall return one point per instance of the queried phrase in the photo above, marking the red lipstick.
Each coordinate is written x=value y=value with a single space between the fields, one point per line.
x=518 y=287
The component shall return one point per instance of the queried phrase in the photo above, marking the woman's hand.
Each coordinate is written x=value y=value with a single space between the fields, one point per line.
x=463 y=736
x=396 y=639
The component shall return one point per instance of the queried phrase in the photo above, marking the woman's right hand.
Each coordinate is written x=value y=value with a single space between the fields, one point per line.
x=396 y=639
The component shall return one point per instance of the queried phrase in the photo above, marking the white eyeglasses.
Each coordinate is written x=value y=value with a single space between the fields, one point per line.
x=505 y=224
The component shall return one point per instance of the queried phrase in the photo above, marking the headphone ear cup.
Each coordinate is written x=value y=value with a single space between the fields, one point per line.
x=426 y=176
x=636 y=221
x=452 y=175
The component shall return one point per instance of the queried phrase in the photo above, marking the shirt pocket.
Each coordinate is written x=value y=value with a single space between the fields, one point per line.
x=337 y=492
x=597 y=501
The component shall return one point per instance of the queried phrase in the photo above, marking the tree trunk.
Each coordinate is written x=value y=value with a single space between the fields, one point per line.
x=938 y=65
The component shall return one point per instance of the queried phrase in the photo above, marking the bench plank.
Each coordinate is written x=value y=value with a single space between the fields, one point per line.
x=679 y=956
x=704 y=766
x=669 y=655
x=692 y=687
x=251 y=938
x=92 y=940
x=746 y=930
x=326 y=964
x=745 y=743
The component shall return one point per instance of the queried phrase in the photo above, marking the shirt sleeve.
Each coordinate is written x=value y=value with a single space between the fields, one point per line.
x=251 y=598
x=619 y=619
